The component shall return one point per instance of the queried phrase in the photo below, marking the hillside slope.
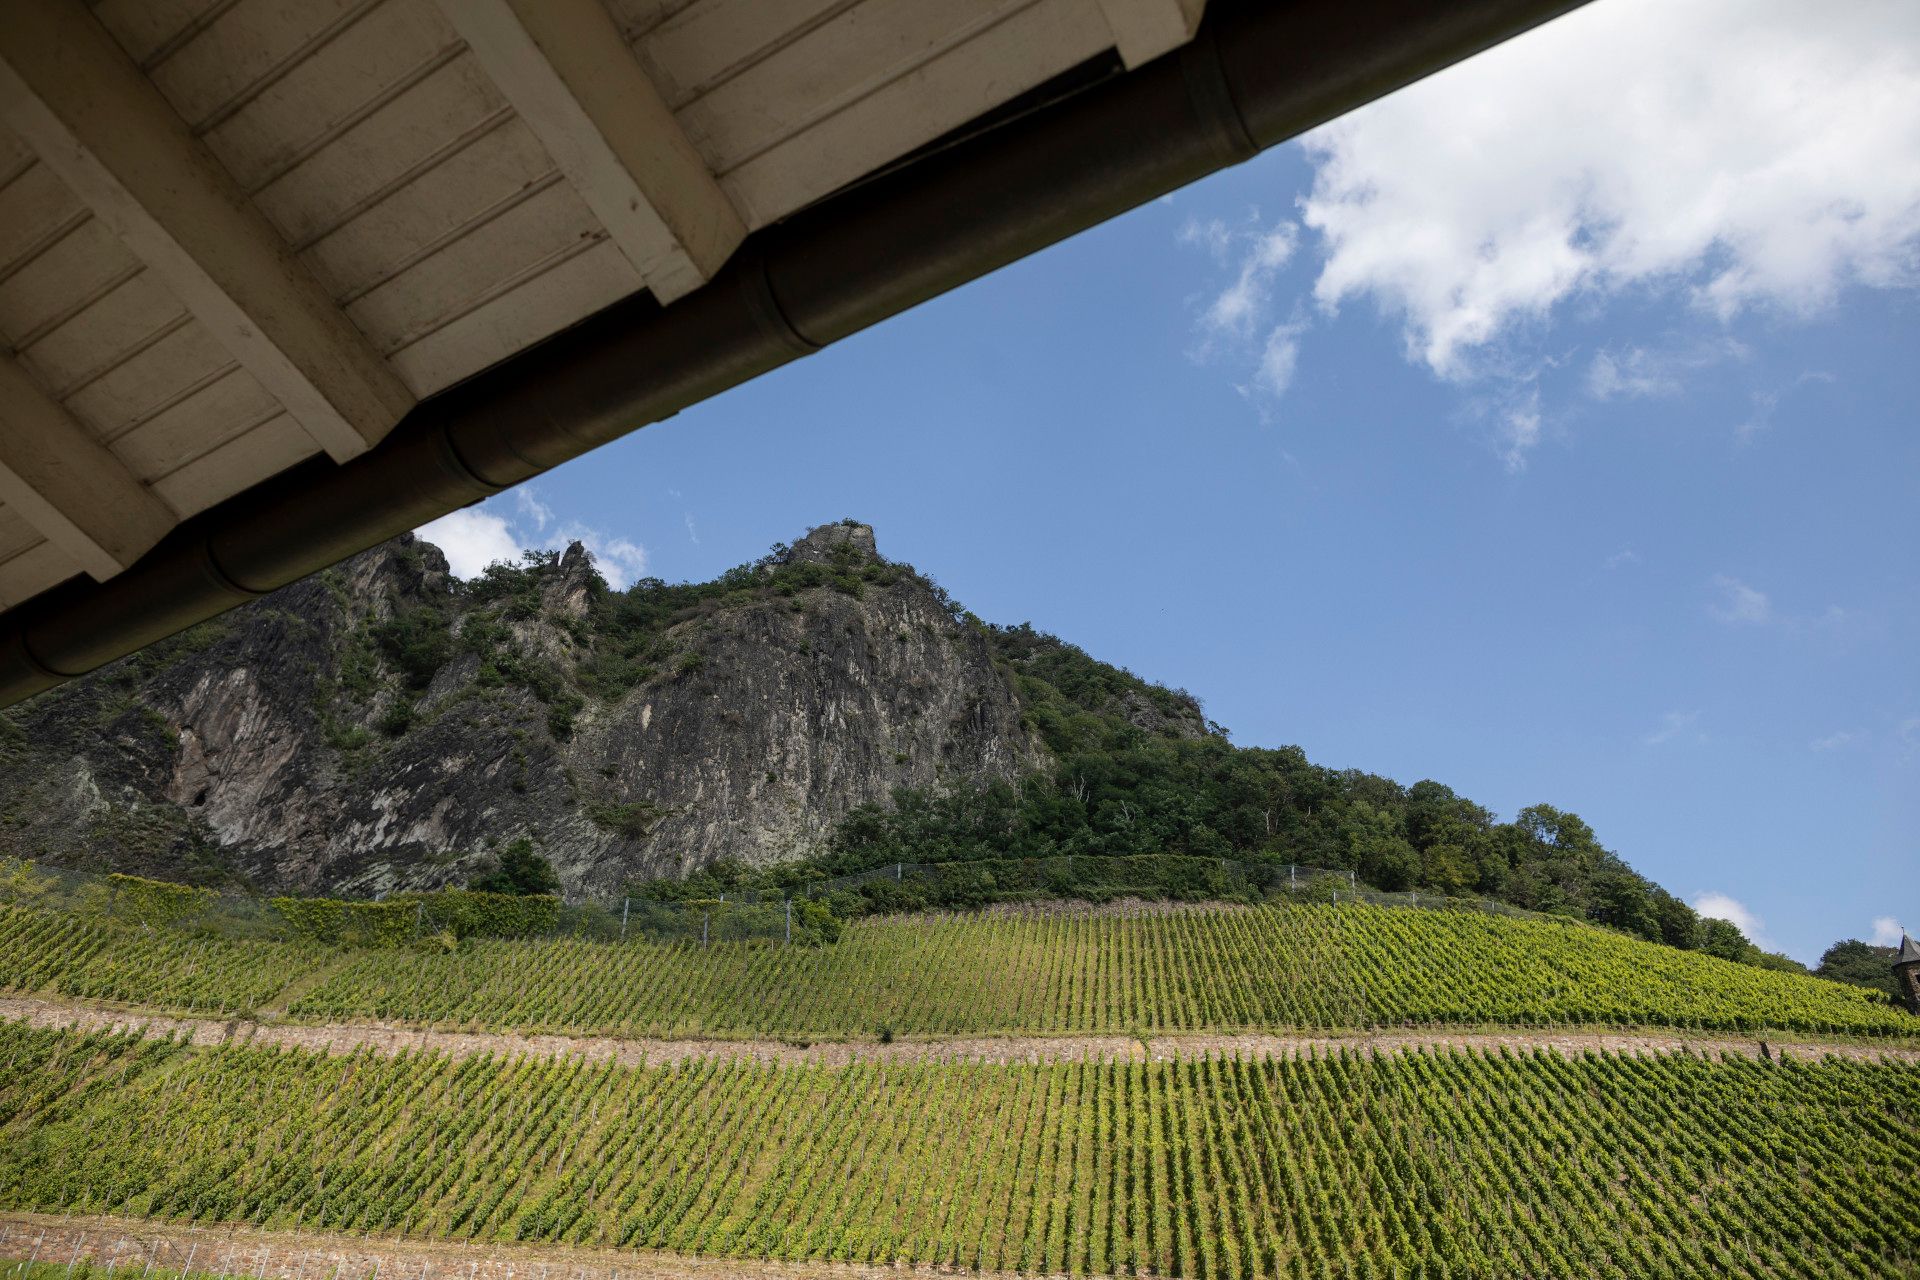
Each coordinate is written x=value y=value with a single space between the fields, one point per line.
x=382 y=725
x=1431 y=1164
x=1039 y=972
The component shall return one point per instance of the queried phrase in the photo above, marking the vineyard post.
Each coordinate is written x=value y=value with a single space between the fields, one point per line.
x=1351 y=882
x=788 y=903
x=261 y=1270
x=76 y=1256
x=706 y=919
x=899 y=871
x=625 y=907
x=187 y=1266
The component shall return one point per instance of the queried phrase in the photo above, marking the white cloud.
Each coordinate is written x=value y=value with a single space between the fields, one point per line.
x=1765 y=401
x=476 y=537
x=1211 y=234
x=530 y=506
x=472 y=540
x=1519 y=430
x=1237 y=311
x=1735 y=603
x=1646 y=372
x=1278 y=359
x=1240 y=321
x=620 y=560
x=1740 y=153
x=1676 y=726
x=1720 y=906
x=1833 y=741
x=693 y=534
x=1886 y=932
x=1622 y=558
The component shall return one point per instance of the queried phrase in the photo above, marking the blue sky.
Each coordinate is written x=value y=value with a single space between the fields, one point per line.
x=1547 y=429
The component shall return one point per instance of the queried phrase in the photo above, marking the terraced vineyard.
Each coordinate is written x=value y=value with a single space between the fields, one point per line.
x=1065 y=973
x=93 y=958
x=1447 y=1163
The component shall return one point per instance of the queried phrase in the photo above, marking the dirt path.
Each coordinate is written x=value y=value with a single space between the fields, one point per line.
x=307 y=1255
x=344 y=1038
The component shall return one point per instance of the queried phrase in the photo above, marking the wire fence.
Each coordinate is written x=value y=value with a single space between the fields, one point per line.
x=659 y=911
x=1135 y=875
x=397 y=919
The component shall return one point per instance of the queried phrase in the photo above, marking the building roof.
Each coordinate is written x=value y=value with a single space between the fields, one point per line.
x=1909 y=952
x=247 y=246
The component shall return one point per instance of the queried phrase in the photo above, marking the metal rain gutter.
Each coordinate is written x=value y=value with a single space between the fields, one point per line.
x=1255 y=75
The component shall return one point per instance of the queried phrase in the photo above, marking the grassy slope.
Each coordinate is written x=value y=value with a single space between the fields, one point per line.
x=1448 y=1163
x=1319 y=967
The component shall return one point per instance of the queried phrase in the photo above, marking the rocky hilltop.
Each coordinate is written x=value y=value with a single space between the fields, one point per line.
x=382 y=724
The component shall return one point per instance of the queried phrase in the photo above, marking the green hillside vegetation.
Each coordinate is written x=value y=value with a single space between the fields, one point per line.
x=1136 y=768
x=1862 y=964
x=1272 y=967
x=1424 y=1164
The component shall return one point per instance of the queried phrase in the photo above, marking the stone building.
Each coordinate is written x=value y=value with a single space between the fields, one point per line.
x=1906 y=971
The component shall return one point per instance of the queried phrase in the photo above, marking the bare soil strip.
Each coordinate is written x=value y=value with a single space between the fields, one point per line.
x=137 y=1245
x=385 y=1038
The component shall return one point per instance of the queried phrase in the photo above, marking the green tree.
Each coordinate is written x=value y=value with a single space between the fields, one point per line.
x=1723 y=938
x=1679 y=923
x=1621 y=899
x=1447 y=868
x=519 y=871
x=417 y=642
x=1380 y=853
x=1861 y=964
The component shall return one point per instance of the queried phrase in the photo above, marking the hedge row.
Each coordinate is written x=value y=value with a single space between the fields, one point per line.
x=404 y=917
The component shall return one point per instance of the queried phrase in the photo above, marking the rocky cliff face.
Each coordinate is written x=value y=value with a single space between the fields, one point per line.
x=382 y=725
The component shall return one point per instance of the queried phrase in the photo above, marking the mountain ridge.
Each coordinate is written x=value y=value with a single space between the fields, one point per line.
x=383 y=725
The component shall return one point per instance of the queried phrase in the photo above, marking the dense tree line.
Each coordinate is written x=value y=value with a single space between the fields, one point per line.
x=1862 y=964
x=1136 y=768
x=1119 y=789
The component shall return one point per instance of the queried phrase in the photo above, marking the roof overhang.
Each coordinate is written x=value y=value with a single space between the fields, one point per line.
x=280 y=282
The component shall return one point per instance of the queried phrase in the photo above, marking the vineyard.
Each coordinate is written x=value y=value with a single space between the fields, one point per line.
x=1061 y=973
x=90 y=958
x=1446 y=1163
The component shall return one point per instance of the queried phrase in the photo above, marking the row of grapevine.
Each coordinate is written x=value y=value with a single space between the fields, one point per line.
x=88 y=1269
x=1077 y=973
x=1287 y=966
x=90 y=958
x=1442 y=1163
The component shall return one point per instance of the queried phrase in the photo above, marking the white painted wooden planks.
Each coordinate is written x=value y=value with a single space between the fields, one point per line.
x=32 y=570
x=110 y=343
x=990 y=66
x=790 y=100
x=373 y=142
